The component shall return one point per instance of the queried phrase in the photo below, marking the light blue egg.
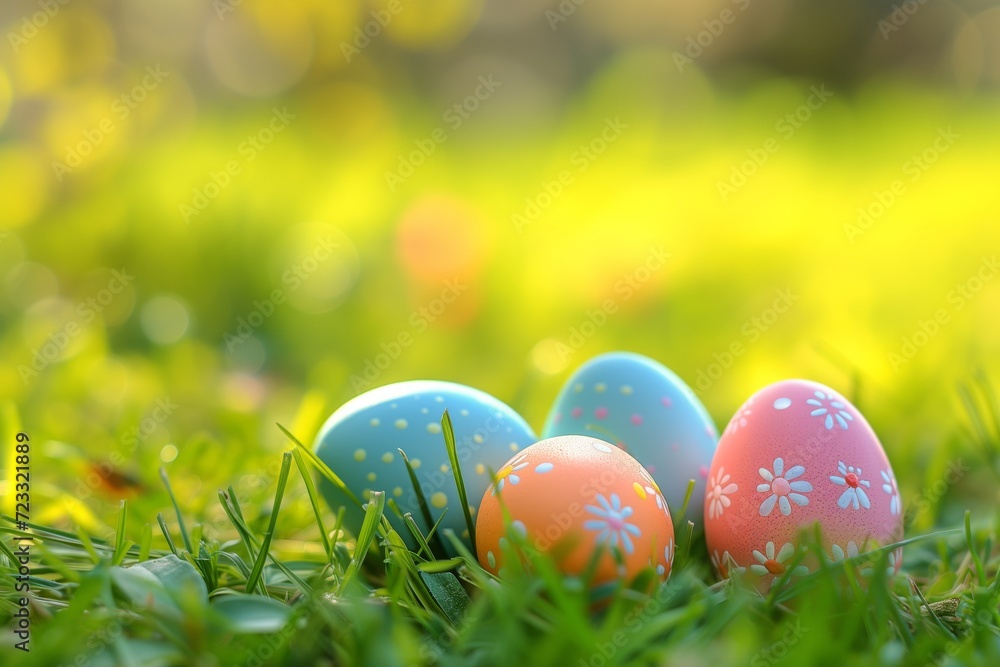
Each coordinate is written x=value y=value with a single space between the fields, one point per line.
x=644 y=408
x=360 y=442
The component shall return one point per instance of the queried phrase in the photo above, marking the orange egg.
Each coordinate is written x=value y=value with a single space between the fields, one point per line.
x=572 y=496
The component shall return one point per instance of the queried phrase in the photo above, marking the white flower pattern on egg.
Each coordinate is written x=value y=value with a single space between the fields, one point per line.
x=839 y=554
x=769 y=563
x=890 y=487
x=782 y=488
x=507 y=473
x=650 y=488
x=854 y=495
x=611 y=523
x=668 y=556
x=718 y=492
x=833 y=409
x=739 y=420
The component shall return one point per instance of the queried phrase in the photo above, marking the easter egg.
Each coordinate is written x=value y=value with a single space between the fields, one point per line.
x=642 y=407
x=797 y=454
x=360 y=442
x=572 y=496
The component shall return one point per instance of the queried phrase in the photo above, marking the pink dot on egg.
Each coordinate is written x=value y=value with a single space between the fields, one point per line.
x=666 y=401
x=577 y=412
x=703 y=471
x=651 y=470
x=637 y=420
x=601 y=413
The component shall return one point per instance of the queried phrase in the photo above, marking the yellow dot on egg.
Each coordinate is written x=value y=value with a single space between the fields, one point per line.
x=401 y=424
x=360 y=454
x=387 y=457
x=480 y=468
x=578 y=387
x=514 y=447
x=478 y=439
x=600 y=387
x=639 y=491
x=444 y=467
x=398 y=491
x=415 y=463
x=627 y=390
x=366 y=494
x=372 y=477
x=434 y=428
x=439 y=500
x=465 y=534
x=464 y=413
x=375 y=421
x=472 y=511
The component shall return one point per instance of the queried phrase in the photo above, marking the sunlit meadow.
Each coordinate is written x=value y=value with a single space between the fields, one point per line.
x=222 y=216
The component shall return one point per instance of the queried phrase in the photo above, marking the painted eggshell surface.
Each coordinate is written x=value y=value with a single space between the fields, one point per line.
x=360 y=443
x=796 y=454
x=573 y=495
x=644 y=408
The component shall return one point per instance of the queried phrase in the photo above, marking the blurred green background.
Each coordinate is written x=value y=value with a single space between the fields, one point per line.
x=221 y=215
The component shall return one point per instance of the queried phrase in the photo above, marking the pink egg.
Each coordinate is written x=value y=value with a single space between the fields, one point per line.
x=797 y=454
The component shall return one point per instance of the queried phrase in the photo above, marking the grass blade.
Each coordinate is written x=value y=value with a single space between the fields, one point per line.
x=231 y=507
x=322 y=467
x=456 y=468
x=437 y=566
x=417 y=536
x=177 y=510
x=258 y=566
x=166 y=533
x=121 y=544
x=425 y=509
x=314 y=501
x=373 y=515
x=250 y=543
x=980 y=572
x=5 y=550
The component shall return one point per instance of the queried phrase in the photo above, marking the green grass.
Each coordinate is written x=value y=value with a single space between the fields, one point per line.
x=233 y=598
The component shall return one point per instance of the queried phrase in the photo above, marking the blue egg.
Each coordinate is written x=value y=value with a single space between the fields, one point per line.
x=360 y=442
x=640 y=405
